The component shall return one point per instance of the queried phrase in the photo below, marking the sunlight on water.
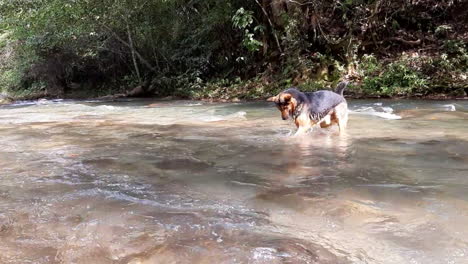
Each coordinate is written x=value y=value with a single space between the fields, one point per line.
x=144 y=181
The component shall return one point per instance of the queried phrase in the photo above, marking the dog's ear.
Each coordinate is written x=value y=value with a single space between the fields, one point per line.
x=273 y=99
x=285 y=97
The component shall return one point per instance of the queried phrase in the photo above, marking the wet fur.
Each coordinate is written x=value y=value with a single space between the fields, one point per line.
x=323 y=108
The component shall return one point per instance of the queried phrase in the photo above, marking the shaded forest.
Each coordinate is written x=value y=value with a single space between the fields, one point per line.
x=242 y=49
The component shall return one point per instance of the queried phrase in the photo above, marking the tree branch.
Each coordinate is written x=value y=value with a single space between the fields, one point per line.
x=140 y=57
x=271 y=25
x=132 y=49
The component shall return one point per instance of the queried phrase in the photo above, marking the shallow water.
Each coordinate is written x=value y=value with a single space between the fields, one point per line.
x=147 y=181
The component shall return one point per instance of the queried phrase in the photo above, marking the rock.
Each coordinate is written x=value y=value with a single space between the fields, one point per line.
x=112 y=97
x=137 y=91
x=152 y=105
x=5 y=99
x=74 y=86
x=140 y=90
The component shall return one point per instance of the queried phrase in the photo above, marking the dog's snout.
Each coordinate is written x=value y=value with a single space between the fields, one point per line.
x=285 y=117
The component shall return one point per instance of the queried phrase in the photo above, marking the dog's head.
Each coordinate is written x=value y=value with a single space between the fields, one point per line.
x=285 y=102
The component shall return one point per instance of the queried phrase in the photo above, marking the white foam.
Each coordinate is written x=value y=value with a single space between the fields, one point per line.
x=264 y=253
x=387 y=109
x=450 y=107
x=385 y=112
x=214 y=118
x=107 y=107
x=22 y=103
x=387 y=115
x=240 y=114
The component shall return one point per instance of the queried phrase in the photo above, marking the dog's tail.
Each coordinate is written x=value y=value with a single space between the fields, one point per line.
x=341 y=87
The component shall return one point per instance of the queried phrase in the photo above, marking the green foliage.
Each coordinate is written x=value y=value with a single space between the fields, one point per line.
x=394 y=78
x=10 y=69
x=197 y=48
x=443 y=73
x=243 y=20
x=449 y=70
x=30 y=92
x=314 y=85
x=9 y=78
x=399 y=79
x=456 y=48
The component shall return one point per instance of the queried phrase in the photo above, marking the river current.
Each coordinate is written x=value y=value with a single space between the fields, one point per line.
x=148 y=181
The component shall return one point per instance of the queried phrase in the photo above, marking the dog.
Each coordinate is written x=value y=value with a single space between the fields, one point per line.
x=323 y=108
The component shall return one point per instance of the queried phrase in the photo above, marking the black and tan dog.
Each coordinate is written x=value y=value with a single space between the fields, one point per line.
x=324 y=108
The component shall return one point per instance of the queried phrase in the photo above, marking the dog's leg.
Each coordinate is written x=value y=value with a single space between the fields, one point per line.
x=303 y=124
x=341 y=112
x=343 y=121
x=326 y=121
x=301 y=131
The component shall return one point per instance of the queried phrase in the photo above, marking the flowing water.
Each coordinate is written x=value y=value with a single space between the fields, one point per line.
x=145 y=181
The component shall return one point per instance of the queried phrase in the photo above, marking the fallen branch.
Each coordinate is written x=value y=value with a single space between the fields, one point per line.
x=404 y=41
x=407 y=42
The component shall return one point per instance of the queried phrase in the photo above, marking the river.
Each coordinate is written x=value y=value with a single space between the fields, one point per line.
x=148 y=181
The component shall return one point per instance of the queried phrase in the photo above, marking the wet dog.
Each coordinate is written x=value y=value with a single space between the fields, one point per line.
x=323 y=108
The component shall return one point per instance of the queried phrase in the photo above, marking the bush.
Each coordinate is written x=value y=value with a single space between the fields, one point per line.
x=395 y=78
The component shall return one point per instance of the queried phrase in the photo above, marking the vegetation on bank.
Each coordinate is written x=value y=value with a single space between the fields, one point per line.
x=228 y=49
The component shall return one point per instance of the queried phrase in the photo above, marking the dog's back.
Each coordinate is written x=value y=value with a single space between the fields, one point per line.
x=322 y=102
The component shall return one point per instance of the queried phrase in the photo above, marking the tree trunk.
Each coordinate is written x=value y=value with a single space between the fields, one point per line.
x=271 y=25
x=132 y=50
x=138 y=55
x=265 y=39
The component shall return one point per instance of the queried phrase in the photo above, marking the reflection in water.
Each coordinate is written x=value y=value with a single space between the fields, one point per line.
x=184 y=182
